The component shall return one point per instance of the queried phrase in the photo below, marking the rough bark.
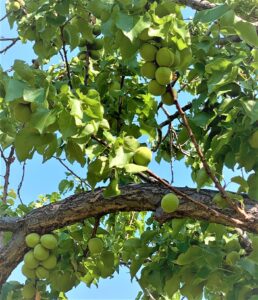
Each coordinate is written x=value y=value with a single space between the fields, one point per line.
x=134 y=197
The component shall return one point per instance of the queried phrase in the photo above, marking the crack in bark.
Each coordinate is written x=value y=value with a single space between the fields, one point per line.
x=134 y=197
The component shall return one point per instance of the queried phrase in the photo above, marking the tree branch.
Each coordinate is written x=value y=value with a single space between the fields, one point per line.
x=14 y=41
x=78 y=207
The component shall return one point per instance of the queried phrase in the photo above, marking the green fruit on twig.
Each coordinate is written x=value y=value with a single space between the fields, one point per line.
x=29 y=273
x=96 y=30
x=82 y=55
x=253 y=140
x=28 y=291
x=22 y=112
x=148 y=52
x=30 y=260
x=155 y=88
x=40 y=252
x=32 y=239
x=15 y=6
x=167 y=98
x=144 y=36
x=163 y=75
x=95 y=245
x=95 y=54
x=148 y=70
x=170 y=203
x=50 y=262
x=232 y=258
x=142 y=156
x=42 y=273
x=49 y=241
x=97 y=44
x=164 y=57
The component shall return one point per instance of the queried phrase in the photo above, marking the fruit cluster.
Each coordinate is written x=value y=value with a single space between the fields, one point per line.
x=93 y=47
x=157 y=66
x=15 y=5
x=41 y=258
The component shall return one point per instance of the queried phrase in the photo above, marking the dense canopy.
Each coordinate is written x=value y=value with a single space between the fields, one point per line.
x=115 y=85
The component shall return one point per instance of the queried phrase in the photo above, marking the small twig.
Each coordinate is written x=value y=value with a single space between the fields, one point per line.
x=65 y=58
x=8 y=161
x=61 y=54
x=93 y=234
x=120 y=105
x=21 y=183
x=71 y=171
x=175 y=115
x=204 y=162
x=14 y=41
x=4 y=17
x=171 y=154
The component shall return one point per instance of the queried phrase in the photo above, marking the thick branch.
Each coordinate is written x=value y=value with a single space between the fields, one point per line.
x=134 y=197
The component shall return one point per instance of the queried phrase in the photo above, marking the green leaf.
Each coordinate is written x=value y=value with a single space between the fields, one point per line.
x=67 y=124
x=135 y=266
x=251 y=109
x=34 y=95
x=112 y=189
x=210 y=15
x=119 y=159
x=219 y=64
x=97 y=170
x=247 y=32
x=193 y=254
x=24 y=71
x=65 y=186
x=75 y=152
x=42 y=118
x=133 y=168
x=172 y=285
x=14 y=89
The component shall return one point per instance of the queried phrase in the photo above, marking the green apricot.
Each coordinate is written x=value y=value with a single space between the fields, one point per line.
x=49 y=241
x=95 y=54
x=42 y=273
x=163 y=75
x=30 y=260
x=164 y=57
x=29 y=273
x=40 y=252
x=167 y=98
x=95 y=245
x=15 y=5
x=82 y=55
x=253 y=140
x=28 y=291
x=155 y=88
x=169 y=203
x=32 y=239
x=50 y=262
x=97 y=44
x=142 y=156
x=96 y=30
x=148 y=70
x=232 y=258
x=144 y=36
x=148 y=52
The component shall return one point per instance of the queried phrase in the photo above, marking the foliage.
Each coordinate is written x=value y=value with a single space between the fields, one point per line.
x=94 y=108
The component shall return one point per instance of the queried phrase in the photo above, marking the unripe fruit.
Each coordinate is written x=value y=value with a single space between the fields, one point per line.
x=50 y=262
x=148 y=52
x=96 y=30
x=167 y=98
x=82 y=55
x=30 y=260
x=163 y=75
x=97 y=44
x=155 y=88
x=29 y=273
x=144 y=36
x=40 y=252
x=28 y=291
x=169 y=203
x=95 y=245
x=42 y=273
x=22 y=112
x=32 y=239
x=142 y=156
x=232 y=258
x=15 y=6
x=164 y=57
x=95 y=54
x=49 y=241
x=148 y=70
x=253 y=140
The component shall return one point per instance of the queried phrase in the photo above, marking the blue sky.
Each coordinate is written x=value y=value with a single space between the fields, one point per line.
x=44 y=178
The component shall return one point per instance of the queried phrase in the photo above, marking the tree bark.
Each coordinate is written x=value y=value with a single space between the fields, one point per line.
x=134 y=197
